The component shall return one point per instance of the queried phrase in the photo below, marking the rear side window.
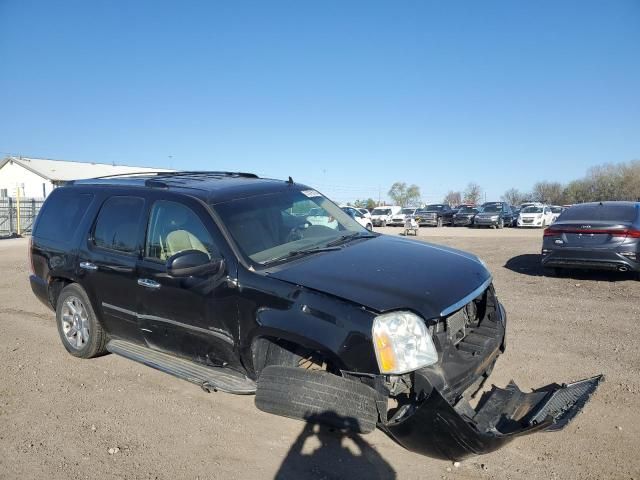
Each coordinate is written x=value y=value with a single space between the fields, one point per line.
x=605 y=212
x=118 y=224
x=61 y=215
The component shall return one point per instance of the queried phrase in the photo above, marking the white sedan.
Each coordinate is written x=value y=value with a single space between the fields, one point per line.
x=537 y=216
x=359 y=217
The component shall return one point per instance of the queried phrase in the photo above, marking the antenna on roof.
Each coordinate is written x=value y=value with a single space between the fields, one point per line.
x=290 y=181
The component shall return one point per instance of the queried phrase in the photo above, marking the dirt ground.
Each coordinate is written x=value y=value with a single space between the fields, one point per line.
x=64 y=418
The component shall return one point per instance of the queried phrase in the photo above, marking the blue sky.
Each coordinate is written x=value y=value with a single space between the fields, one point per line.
x=346 y=96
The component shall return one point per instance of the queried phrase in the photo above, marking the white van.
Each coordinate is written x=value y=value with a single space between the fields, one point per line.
x=380 y=216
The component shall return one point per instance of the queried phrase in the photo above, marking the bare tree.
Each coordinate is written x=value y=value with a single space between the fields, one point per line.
x=453 y=198
x=405 y=196
x=513 y=196
x=548 y=192
x=472 y=193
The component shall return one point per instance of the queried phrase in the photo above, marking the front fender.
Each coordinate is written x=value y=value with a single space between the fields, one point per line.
x=338 y=330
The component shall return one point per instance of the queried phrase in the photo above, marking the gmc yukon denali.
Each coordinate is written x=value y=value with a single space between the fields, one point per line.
x=221 y=279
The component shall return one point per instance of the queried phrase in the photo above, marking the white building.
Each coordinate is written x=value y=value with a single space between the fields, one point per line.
x=36 y=177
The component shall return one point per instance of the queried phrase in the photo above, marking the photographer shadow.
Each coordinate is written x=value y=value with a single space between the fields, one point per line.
x=322 y=452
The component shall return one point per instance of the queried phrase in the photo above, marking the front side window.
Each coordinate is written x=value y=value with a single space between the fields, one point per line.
x=274 y=226
x=174 y=228
x=118 y=223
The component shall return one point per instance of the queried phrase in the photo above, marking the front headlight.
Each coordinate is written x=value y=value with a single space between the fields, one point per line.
x=494 y=217
x=402 y=343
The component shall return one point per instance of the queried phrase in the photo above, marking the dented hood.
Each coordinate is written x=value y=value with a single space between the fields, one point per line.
x=388 y=273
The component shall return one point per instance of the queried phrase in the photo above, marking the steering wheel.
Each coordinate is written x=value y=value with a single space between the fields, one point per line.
x=296 y=232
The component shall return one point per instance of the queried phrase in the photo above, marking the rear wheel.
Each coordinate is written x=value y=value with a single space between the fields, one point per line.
x=317 y=396
x=78 y=327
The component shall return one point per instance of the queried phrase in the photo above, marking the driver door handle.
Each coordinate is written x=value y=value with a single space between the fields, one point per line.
x=145 y=282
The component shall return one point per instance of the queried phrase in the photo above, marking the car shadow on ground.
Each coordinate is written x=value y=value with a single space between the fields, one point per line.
x=529 y=264
x=322 y=452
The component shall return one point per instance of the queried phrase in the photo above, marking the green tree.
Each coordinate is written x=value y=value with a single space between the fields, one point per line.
x=403 y=195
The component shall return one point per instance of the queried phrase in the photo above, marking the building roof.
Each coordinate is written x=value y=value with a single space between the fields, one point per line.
x=64 y=170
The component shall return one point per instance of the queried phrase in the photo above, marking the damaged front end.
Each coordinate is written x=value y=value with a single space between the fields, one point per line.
x=430 y=412
x=431 y=426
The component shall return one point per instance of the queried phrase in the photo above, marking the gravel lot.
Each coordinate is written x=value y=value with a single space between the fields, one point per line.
x=64 y=418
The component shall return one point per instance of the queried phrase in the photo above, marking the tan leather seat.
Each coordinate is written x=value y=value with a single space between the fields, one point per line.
x=181 y=240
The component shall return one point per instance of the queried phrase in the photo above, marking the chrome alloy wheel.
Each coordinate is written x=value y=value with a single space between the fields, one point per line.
x=75 y=323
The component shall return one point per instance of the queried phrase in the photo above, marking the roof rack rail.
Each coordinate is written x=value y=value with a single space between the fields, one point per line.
x=177 y=173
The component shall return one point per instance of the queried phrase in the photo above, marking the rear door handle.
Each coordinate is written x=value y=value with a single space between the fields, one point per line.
x=145 y=282
x=88 y=266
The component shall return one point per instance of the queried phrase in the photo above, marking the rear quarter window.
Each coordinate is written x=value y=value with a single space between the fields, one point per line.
x=611 y=213
x=61 y=215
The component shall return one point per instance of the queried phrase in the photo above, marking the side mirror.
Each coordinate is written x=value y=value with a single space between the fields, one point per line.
x=192 y=262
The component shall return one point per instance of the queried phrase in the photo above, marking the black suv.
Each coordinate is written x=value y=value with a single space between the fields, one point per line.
x=247 y=285
x=435 y=215
x=494 y=214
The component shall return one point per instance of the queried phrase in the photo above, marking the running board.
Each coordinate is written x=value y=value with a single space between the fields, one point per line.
x=209 y=378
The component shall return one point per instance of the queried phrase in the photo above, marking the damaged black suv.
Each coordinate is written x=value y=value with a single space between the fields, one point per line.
x=248 y=285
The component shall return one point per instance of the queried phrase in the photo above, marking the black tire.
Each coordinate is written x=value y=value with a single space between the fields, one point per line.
x=440 y=222
x=317 y=396
x=501 y=223
x=384 y=223
x=96 y=343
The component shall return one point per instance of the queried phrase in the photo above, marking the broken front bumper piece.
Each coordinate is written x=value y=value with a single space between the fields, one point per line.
x=434 y=428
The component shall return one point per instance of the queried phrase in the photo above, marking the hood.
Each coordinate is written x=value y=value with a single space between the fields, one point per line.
x=389 y=273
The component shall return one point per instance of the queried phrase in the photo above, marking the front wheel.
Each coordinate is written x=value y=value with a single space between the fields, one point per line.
x=317 y=396
x=501 y=223
x=439 y=222
x=78 y=327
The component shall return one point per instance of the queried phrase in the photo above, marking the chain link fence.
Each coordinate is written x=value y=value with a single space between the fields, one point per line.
x=17 y=215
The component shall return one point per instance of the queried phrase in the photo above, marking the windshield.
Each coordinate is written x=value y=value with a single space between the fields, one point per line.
x=532 y=210
x=492 y=209
x=272 y=226
x=408 y=211
x=556 y=209
x=381 y=211
x=434 y=208
x=467 y=210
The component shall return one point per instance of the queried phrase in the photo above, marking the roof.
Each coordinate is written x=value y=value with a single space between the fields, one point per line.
x=212 y=187
x=64 y=170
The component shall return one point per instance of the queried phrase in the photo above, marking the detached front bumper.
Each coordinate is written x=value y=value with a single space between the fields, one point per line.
x=440 y=422
x=437 y=429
